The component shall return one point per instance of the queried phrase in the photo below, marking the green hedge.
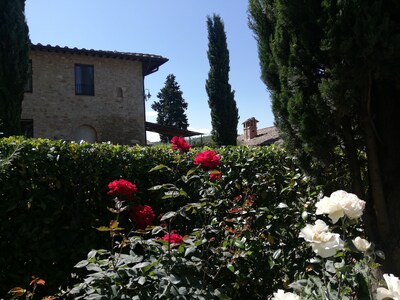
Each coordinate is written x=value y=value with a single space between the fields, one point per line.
x=53 y=195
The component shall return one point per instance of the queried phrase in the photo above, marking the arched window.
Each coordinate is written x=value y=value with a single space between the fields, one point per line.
x=86 y=133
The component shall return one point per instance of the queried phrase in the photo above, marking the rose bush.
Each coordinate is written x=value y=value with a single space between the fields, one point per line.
x=343 y=273
x=229 y=226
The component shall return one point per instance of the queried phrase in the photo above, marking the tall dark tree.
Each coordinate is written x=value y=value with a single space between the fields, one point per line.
x=14 y=60
x=224 y=112
x=171 y=107
x=332 y=69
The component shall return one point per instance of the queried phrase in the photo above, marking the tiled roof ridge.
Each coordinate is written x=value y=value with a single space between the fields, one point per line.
x=100 y=53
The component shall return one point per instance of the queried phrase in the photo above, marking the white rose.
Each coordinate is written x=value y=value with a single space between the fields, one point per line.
x=393 y=290
x=361 y=244
x=323 y=242
x=339 y=204
x=331 y=207
x=281 y=295
x=353 y=207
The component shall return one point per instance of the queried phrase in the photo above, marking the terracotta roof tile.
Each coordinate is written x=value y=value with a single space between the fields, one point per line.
x=151 y=61
x=264 y=137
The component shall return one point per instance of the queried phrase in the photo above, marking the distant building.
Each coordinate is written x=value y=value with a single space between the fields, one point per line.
x=92 y=95
x=258 y=137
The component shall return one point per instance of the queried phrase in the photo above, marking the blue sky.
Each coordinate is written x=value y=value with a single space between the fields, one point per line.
x=175 y=29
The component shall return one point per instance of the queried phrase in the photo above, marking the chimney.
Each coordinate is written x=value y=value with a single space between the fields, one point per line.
x=250 y=128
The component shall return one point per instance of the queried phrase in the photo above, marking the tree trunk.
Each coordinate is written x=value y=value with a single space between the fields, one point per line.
x=382 y=145
x=352 y=158
x=387 y=108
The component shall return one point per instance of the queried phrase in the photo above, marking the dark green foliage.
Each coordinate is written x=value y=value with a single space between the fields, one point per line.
x=237 y=243
x=331 y=69
x=224 y=112
x=54 y=194
x=171 y=107
x=14 y=58
x=289 y=45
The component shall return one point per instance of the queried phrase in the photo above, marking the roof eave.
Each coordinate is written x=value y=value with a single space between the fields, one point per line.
x=151 y=62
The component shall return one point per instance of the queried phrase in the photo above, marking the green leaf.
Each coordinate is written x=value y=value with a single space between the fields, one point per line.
x=276 y=254
x=141 y=265
x=221 y=295
x=183 y=290
x=81 y=264
x=190 y=172
x=168 y=215
x=91 y=254
x=159 y=167
x=239 y=244
x=182 y=193
x=156 y=187
x=173 y=279
x=190 y=250
x=95 y=297
x=231 y=268
x=93 y=267
x=156 y=230
x=181 y=249
x=170 y=194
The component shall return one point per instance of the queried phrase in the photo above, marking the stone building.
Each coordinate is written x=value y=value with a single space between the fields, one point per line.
x=79 y=94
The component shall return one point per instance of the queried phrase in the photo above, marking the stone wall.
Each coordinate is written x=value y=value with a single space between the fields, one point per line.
x=115 y=113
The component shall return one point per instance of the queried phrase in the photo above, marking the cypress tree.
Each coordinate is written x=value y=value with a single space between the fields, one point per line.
x=224 y=112
x=171 y=107
x=332 y=69
x=14 y=61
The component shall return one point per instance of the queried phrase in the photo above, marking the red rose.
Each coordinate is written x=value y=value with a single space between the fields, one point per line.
x=207 y=159
x=215 y=175
x=141 y=215
x=179 y=143
x=122 y=187
x=173 y=238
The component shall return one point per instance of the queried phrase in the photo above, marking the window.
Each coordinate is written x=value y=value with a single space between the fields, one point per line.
x=84 y=80
x=27 y=127
x=28 y=84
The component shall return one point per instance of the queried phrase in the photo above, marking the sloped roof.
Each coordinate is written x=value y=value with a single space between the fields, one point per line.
x=151 y=62
x=264 y=137
x=170 y=130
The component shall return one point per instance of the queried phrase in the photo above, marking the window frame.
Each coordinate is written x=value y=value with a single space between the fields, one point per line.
x=79 y=78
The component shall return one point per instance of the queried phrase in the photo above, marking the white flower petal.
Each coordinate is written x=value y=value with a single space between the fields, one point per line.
x=382 y=293
x=323 y=242
x=362 y=245
x=393 y=284
x=281 y=295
